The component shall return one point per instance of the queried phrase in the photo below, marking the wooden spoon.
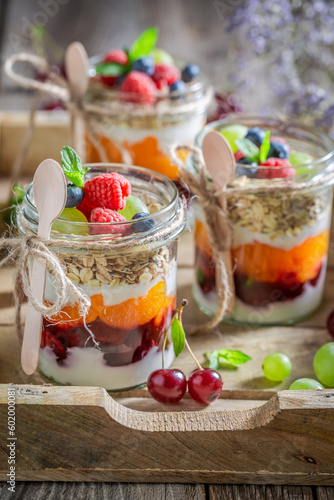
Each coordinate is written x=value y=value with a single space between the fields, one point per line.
x=49 y=189
x=76 y=67
x=220 y=162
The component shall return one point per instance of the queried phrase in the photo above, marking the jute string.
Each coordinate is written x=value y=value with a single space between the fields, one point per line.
x=198 y=182
x=213 y=211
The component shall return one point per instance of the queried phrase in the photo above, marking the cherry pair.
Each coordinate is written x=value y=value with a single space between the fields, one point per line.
x=170 y=385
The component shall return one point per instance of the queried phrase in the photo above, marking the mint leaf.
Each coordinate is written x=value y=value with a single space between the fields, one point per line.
x=144 y=44
x=72 y=167
x=178 y=337
x=111 y=69
x=248 y=148
x=264 y=148
x=213 y=357
x=233 y=357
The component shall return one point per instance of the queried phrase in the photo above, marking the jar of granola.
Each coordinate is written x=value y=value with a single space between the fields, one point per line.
x=129 y=273
x=279 y=207
x=140 y=129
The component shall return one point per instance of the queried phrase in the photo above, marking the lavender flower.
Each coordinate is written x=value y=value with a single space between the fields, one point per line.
x=295 y=41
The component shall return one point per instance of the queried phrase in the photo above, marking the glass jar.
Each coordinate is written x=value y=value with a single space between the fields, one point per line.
x=131 y=285
x=141 y=134
x=280 y=238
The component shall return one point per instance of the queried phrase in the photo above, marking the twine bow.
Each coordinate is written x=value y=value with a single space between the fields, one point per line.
x=22 y=249
x=56 y=86
x=214 y=214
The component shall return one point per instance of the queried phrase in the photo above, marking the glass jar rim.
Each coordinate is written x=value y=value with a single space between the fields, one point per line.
x=284 y=127
x=166 y=215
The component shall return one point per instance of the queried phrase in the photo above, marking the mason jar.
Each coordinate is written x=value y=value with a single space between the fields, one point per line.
x=141 y=133
x=131 y=284
x=279 y=237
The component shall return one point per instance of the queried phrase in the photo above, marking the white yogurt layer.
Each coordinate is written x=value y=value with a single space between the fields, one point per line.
x=273 y=313
x=118 y=294
x=243 y=236
x=176 y=133
x=87 y=366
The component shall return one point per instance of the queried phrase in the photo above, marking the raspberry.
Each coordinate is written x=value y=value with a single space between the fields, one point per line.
x=116 y=56
x=103 y=215
x=274 y=172
x=138 y=87
x=108 y=191
x=238 y=155
x=165 y=74
x=86 y=207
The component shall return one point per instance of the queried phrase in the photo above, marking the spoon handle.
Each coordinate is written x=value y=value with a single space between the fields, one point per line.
x=33 y=326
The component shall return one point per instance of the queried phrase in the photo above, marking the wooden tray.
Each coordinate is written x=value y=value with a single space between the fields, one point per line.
x=257 y=432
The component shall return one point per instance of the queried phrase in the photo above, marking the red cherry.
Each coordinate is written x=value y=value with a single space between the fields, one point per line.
x=205 y=385
x=167 y=386
x=330 y=323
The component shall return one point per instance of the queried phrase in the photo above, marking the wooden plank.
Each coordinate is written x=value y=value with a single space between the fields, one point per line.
x=50 y=135
x=104 y=491
x=244 y=492
x=83 y=434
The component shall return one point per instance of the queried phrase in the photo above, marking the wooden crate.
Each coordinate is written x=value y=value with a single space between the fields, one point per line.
x=257 y=432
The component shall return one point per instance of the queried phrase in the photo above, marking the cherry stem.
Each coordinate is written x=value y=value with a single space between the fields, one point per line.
x=200 y=367
x=177 y=313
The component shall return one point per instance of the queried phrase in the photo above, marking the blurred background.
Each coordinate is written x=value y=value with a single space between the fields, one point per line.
x=270 y=55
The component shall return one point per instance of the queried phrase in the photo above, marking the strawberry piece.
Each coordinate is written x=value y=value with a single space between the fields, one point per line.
x=278 y=169
x=138 y=87
x=108 y=191
x=103 y=215
x=165 y=74
x=116 y=56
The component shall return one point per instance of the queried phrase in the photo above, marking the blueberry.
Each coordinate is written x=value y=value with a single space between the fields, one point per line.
x=256 y=135
x=144 y=64
x=279 y=150
x=144 y=225
x=247 y=171
x=74 y=196
x=120 y=79
x=177 y=89
x=190 y=72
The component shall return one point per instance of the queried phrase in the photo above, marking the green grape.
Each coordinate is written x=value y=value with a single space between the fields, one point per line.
x=300 y=158
x=133 y=206
x=323 y=364
x=161 y=56
x=232 y=133
x=305 y=383
x=74 y=215
x=276 y=367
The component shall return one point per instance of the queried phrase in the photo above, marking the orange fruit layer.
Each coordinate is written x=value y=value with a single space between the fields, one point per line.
x=70 y=315
x=145 y=153
x=135 y=312
x=265 y=263
x=201 y=239
x=114 y=155
x=128 y=314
